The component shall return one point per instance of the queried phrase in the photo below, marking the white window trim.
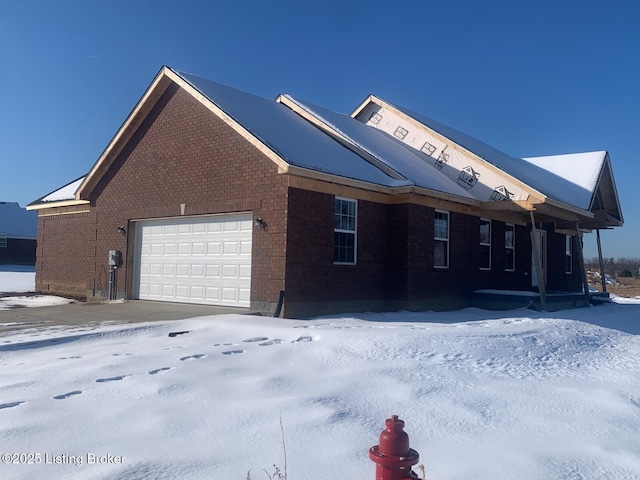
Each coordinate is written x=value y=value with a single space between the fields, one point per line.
x=354 y=231
x=484 y=244
x=512 y=248
x=447 y=240
x=568 y=253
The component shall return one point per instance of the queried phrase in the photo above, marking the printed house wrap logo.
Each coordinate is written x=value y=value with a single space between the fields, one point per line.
x=501 y=194
x=468 y=178
x=375 y=118
x=442 y=160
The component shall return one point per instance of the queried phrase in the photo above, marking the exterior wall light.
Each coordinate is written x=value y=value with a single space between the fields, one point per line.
x=121 y=230
x=261 y=223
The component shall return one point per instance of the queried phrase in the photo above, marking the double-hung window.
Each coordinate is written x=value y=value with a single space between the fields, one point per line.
x=344 y=231
x=568 y=254
x=509 y=247
x=441 y=239
x=485 y=244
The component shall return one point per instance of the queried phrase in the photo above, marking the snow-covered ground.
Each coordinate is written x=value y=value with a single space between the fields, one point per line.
x=485 y=395
x=19 y=279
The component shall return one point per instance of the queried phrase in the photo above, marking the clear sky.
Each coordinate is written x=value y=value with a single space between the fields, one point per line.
x=530 y=78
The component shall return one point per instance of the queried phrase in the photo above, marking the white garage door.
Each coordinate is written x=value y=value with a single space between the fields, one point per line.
x=194 y=260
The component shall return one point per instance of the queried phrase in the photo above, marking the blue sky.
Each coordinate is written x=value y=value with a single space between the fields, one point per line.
x=529 y=78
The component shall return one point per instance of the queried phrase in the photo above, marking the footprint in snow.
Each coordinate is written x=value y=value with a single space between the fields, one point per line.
x=112 y=379
x=303 y=338
x=275 y=341
x=10 y=405
x=64 y=396
x=121 y=354
x=159 y=370
x=232 y=352
x=222 y=344
x=255 y=339
x=193 y=357
x=175 y=334
x=68 y=358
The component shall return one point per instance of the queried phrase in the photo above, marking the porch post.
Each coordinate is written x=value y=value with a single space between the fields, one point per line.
x=604 y=282
x=583 y=270
x=538 y=259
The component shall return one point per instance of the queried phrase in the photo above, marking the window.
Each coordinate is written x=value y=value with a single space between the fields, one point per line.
x=568 y=254
x=344 y=231
x=441 y=239
x=3 y=242
x=509 y=247
x=485 y=244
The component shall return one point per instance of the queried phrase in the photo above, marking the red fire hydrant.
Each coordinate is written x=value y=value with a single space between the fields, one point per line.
x=392 y=456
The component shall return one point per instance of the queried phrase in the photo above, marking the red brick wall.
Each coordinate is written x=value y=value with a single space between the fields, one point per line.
x=62 y=254
x=311 y=274
x=395 y=259
x=181 y=154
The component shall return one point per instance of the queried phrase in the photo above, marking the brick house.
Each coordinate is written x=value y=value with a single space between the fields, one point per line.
x=18 y=230
x=216 y=196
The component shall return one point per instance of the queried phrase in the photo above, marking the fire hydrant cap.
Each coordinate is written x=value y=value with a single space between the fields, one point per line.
x=394 y=441
x=393 y=452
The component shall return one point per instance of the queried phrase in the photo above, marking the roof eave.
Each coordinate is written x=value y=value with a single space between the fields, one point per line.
x=59 y=203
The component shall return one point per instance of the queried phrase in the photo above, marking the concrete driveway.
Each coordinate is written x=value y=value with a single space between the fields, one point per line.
x=96 y=313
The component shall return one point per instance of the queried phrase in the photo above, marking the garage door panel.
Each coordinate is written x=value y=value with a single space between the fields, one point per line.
x=182 y=270
x=230 y=248
x=213 y=293
x=168 y=270
x=214 y=248
x=229 y=294
x=170 y=248
x=196 y=292
x=214 y=227
x=182 y=291
x=245 y=248
x=168 y=290
x=244 y=272
x=198 y=248
x=230 y=271
x=195 y=260
x=244 y=294
x=213 y=271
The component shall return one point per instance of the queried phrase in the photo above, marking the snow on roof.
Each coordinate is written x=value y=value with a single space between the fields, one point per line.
x=16 y=222
x=294 y=139
x=65 y=193
x=581 y=169
x=386 y=149
x=549 y=181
